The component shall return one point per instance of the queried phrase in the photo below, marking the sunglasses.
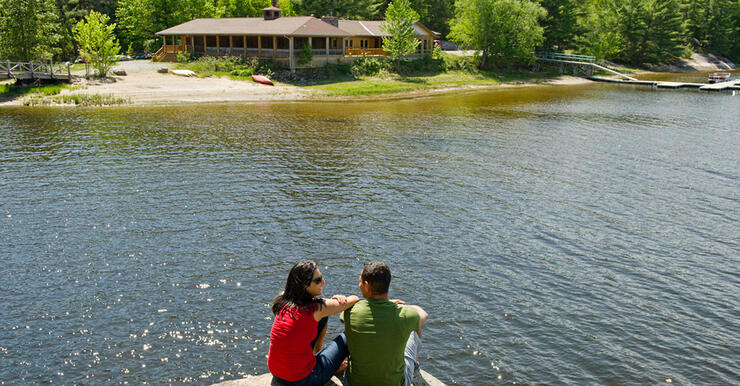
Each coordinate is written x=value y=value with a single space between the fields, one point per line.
x=318 y=280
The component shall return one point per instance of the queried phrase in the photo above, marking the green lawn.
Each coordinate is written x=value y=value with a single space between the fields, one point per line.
x=398 y=84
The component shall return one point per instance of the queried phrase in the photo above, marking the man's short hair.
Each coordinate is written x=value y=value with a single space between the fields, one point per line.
x=378 y=275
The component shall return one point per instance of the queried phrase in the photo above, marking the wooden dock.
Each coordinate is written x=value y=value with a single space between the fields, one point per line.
x=731 y=85
x=35 y=71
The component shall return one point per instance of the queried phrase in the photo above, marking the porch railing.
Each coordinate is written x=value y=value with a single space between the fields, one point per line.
x=366 y=52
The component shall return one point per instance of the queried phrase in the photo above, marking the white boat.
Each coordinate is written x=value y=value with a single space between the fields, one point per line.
x=717 y=77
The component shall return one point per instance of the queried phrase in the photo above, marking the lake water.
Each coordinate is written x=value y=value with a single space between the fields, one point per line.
x=575 y=234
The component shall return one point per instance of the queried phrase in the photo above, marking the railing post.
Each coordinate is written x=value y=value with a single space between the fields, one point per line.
x=9 y=74
x=51 y=69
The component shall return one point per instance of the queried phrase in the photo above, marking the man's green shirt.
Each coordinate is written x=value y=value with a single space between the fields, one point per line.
x=377 y=331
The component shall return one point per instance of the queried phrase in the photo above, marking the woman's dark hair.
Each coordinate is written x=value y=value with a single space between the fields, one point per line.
x=295 y=294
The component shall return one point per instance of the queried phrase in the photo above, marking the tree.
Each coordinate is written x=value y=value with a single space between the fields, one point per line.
x=721 y=26
x=345 y=9
x=598 y=31
x=399 y=24
x=665 y=33
x=561 y=23
x=242 y=8
x=136 y=22
x=651 y=30
x=29 y=30
x=139 y=20
x=98 y=44
x=69 y=12
x=504 y=31
x=435 y=14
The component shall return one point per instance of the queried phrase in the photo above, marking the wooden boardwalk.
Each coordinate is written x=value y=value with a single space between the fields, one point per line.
x=34 y=71
x=579 y=63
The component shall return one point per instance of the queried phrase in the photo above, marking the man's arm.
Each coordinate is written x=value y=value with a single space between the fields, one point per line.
x=423 y=316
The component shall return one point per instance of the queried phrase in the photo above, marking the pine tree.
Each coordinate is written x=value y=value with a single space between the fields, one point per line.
x=599 y=34
x=561 y=23
x=721 y=26
x=633 y=30
x=664 y=34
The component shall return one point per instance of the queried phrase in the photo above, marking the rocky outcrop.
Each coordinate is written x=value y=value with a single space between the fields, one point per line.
x=697 y=62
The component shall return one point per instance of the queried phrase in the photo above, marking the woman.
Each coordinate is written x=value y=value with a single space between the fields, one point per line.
x=297 y=332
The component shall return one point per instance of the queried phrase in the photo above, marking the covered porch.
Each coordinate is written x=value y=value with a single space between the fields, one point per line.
x=285 y=48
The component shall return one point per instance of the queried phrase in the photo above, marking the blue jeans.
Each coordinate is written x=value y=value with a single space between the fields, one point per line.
x=328 y=361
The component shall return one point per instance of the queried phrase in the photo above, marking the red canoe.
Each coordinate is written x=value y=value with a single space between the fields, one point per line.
x=262 y=79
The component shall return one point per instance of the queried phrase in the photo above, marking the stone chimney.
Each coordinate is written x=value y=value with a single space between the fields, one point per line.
x=333 y=20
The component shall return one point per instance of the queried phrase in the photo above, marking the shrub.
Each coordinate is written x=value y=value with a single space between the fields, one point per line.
x=468 y=64
x=368 y=66
x=306 y=55
x=425 y=64
x=183 y=57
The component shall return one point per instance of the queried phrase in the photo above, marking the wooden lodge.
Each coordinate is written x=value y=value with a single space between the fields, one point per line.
x=282 y=38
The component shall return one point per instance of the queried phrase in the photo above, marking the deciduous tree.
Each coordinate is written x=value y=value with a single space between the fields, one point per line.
x=29 y=30
x=504 y=31
x=399 y=24
x=98 y=43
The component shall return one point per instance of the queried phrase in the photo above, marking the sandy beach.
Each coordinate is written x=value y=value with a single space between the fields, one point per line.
x=144 y=85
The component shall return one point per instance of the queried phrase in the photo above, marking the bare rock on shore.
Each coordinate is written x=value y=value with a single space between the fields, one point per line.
x=697 y=62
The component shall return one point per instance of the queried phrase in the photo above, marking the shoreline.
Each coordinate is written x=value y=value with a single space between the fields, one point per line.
x=155 y=89
x=143 y=85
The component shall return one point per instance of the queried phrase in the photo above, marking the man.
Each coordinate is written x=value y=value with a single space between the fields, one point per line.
x=383 y=336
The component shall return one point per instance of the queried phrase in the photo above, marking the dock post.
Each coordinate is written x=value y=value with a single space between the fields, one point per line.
x=33 y=75
x=51 y=69
x=9 y=74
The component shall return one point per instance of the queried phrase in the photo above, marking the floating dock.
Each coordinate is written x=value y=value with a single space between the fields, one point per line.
x=730 y=85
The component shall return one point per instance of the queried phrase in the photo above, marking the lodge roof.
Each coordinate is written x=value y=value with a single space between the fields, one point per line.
x=289 y=26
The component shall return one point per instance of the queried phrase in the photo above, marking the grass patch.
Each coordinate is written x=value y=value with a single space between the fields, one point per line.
x=51 y=89
x=397 y=84
x=78 y=100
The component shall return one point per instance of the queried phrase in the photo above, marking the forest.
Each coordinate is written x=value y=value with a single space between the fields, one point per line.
x=625 y=31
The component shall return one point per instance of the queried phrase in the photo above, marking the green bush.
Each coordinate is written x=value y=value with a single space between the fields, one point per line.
x=306 y=55
x=368 y=66
x=243 y=72
x=423 y=65
x=468 y=64
x=336 y=69
x=183 y=57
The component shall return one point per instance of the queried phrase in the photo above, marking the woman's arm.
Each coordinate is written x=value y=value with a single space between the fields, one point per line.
x=335 y=305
